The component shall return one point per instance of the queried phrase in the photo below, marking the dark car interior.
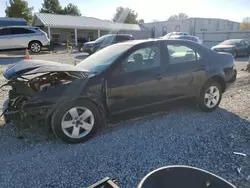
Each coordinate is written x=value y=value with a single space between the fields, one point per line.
x=140 y=62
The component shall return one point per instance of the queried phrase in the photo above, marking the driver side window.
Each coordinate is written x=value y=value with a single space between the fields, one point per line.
x=144 y=58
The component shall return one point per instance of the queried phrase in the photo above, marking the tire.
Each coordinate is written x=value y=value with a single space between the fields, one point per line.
x=75 y=125
x=35 y=47
x=234 y=54
x=205 y=97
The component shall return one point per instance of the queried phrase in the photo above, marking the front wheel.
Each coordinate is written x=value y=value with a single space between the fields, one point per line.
x=234 y=54
x=77 y=122
x=210 y=96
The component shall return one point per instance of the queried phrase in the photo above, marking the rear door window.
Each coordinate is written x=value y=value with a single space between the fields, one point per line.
x=182 y=54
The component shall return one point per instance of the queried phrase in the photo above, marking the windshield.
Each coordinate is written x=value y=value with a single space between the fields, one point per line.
x=102 y=38
x=230 y=42
x=100 y=60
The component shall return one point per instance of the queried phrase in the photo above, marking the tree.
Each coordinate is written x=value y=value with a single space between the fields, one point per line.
x=71 y=9
x=245 y=24
x=179 y=16
x=126 y=15
x=19 y=9
x=52 y=7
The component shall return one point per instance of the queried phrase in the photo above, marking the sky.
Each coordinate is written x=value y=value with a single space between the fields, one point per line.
x=160 y=10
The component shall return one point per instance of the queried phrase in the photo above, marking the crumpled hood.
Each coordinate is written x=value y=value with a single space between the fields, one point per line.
x=28 y=67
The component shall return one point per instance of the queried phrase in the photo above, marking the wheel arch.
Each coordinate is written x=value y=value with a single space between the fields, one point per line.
x=218 y=79
x=34 y=41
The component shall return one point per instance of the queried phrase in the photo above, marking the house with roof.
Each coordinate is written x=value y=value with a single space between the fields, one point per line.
x=6 y=21
x=66 y=27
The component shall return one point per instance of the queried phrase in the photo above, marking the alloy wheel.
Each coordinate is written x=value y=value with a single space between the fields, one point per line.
x=212 y=97
x=35 y=47
x=77 y=122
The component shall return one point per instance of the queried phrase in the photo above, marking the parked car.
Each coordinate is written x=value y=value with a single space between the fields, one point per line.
x=234 y=46
x=183 y=36
x=104 y=41
x=167 y=36
x=14 y=37
x=76 y=100
x=187 y=37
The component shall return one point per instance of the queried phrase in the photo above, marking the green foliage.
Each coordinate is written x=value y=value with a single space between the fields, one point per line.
x=72 y=9
x=19 y=9
x=54 y=7
x=179 y=16
x=51 y=6
x=245 y=24
x=126 y=15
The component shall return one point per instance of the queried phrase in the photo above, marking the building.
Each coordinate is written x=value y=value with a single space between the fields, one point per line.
x=66 y=27
x=6 y=21
x=159 y=29
x=192 y=26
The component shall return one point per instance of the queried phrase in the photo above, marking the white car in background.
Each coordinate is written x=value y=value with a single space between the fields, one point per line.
x=13 y=37
x=183 y=36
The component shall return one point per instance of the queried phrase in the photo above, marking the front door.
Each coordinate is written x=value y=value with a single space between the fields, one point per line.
x=185 y=70
x=136 y=81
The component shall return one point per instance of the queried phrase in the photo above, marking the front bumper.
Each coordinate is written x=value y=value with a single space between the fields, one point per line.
x=30 y=114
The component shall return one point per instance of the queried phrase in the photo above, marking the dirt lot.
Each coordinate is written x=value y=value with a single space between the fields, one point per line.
x=179 y=136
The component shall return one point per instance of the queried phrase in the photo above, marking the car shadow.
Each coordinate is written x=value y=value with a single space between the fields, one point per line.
x=241 y=59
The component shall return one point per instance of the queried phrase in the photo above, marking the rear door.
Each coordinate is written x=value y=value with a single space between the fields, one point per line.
x=185 y=69
x=241 y=48
x=247 y=44
x=5 y=38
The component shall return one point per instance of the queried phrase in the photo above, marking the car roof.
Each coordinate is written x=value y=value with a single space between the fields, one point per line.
x=234 y=40
x=135 y=42
x=17 y=26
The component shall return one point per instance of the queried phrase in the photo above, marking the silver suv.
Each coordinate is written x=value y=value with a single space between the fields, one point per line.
x=13 y=37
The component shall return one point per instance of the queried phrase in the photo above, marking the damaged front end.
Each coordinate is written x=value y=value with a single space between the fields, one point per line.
x=32 y=96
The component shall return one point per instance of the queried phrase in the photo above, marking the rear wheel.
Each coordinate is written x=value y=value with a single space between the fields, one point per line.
x=210 y=96
x=77 y=122
x=35 y=47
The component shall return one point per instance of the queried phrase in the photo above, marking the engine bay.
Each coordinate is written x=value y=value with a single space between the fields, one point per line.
x=24 y=87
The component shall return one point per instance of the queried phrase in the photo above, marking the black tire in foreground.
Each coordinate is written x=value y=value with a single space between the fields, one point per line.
x=210 y=96
x=35 y=46
x=76 y=122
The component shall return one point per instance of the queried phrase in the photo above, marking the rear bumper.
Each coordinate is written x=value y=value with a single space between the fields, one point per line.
x=231 y=80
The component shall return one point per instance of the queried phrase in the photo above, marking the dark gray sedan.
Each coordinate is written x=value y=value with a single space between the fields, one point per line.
x=236 y=47
x=76 y=100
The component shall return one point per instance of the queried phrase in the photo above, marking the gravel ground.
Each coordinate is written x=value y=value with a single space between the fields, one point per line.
x=131 y=149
